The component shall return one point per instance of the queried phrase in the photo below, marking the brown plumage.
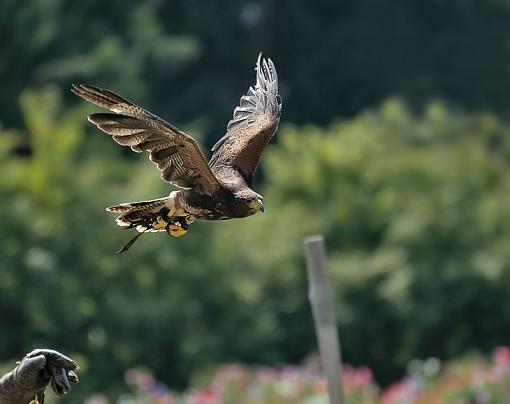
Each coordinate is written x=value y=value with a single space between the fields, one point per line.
x=220 y=189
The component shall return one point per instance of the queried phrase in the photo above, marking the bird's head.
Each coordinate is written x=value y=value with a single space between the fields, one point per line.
x=252 y=200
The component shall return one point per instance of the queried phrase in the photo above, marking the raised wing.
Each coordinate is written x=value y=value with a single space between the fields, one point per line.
x=175 y=153
x=254 y=123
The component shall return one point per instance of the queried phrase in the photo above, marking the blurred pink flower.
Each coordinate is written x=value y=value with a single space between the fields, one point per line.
x=320 y=386
x=204 y=396
x=140 y=379
x=363 y=376
x=228 y=374
x=501 y=356
x=289 y=372
x=475 y=379
x=393 y=393
x=403 y=392
x=356 y=378
x=267 y=375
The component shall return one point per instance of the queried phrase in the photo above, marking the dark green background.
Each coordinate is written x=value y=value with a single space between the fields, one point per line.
x=394 y=143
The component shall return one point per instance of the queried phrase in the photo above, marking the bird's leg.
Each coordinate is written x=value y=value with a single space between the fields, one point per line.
x=178 y=226
x=160 y=222
x=176 y=229
x=174 y=219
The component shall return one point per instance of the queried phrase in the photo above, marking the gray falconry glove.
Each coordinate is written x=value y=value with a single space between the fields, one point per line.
x=26 y=383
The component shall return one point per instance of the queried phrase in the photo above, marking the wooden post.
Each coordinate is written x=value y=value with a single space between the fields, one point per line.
x=321 y=300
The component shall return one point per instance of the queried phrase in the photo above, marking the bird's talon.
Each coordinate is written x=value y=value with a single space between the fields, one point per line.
x=159 y=224
x=175 y=230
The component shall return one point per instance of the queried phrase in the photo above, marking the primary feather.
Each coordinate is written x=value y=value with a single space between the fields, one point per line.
x=253 y=124
x=175 y=153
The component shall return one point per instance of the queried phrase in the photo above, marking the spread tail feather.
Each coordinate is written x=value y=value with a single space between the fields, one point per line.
x=151 y=216
x=141 y=215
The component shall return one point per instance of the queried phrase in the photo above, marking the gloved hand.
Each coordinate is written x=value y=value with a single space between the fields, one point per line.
x=27 y=382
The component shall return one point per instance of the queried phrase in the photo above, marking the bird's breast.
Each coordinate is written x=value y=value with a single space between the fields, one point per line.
x=220 y=206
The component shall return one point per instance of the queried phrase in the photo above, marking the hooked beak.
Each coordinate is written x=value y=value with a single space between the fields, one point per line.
x=261 y=206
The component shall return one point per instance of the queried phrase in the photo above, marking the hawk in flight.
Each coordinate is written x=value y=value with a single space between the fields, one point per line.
x=215 y=190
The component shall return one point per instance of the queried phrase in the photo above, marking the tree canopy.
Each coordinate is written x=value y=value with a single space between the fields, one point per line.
x=413 y=208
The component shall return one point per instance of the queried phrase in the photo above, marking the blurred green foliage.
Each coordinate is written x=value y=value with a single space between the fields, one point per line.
x=191 y=59
x=412 y=196
x=414 y=208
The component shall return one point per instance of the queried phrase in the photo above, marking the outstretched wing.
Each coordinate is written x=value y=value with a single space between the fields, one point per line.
x=254 y=123
x=175 y=153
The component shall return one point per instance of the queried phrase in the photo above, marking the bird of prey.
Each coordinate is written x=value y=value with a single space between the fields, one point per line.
x=215 y=190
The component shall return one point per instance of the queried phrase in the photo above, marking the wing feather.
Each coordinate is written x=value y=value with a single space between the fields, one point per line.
x=175 y=153
x=254 y=123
